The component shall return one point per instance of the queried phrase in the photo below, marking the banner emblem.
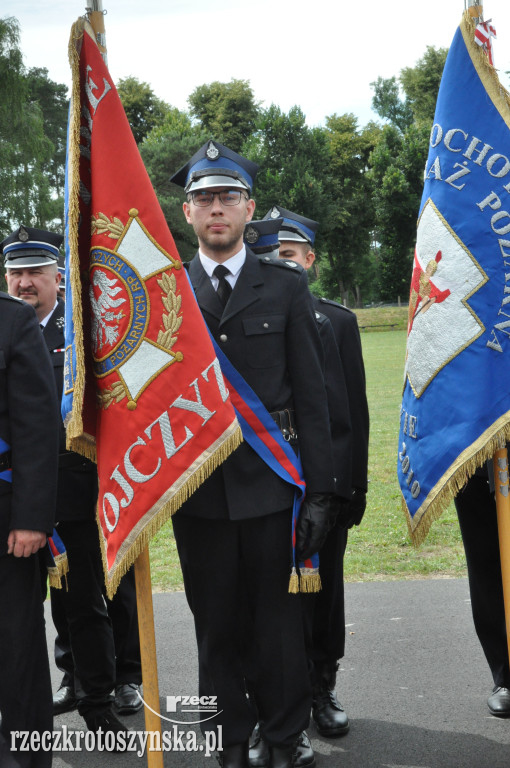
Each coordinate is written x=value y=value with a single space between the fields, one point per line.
x=441 y=322
x=126 y=359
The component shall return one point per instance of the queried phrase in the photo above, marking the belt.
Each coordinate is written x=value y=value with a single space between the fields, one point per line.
x=285 y=421
x=5 y=461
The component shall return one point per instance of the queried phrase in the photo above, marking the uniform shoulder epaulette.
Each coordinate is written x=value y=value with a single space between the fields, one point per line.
x=320 y=318
x=335 y=304
x=292 y=266
x=7 y=296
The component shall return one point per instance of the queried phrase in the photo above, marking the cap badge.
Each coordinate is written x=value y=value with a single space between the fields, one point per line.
x=23 y=235
x=251 y=235
x=275 y=213
x=212 y=151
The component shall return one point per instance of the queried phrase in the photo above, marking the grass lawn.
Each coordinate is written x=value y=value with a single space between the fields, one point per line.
x=380 y=548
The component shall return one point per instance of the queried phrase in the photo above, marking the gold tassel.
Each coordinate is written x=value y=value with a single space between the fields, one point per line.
x=310 y=580
x=294 y=582
x=58 y=571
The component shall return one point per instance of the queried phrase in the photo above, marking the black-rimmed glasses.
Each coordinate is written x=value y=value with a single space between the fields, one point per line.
x=205 y=197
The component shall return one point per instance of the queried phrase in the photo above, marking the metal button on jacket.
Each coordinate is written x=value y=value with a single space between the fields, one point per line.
x=223 y=337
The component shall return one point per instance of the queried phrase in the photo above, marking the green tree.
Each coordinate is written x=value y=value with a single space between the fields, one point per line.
x=53 y=101
x=143 y=108
x=228 y=112
x=349 y=234
x=26 y=192
x=293 y=161
x=397 y=164
x=421 y=83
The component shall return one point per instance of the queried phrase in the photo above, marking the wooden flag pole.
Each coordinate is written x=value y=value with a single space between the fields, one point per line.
x=142 y=563
x=502 y=490
x=148 y=653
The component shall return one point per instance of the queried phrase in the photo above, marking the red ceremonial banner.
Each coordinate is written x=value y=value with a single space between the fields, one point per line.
x=144 y=392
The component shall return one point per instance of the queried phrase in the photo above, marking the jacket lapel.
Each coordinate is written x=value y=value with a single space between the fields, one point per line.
x=245 y=291
x=205 y=293
x=53 y=332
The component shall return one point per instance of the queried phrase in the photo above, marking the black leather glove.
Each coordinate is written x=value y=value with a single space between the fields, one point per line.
x=316 y=518
x=351 y=512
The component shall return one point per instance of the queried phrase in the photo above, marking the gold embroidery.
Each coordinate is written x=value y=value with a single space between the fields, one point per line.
x=172 y=303
x=102 y=226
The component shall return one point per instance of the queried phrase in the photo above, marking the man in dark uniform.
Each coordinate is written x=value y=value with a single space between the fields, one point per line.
x=264 y=239
x=297 y=236
x=28 y=483
x=233 y=535
x=123 y=614
x=32 y=275
x=476 y=510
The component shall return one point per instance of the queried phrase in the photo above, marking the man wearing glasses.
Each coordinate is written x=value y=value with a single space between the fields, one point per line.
x=234 y=533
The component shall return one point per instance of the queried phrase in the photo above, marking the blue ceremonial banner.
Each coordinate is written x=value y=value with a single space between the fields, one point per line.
x=456 y=401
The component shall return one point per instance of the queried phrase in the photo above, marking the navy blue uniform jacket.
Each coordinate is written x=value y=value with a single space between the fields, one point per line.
x=268 y=332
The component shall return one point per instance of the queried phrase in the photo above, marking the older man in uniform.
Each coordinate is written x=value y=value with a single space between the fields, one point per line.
x=297 y=236
x=31 y=261
x=233 y=535
x=28 y=482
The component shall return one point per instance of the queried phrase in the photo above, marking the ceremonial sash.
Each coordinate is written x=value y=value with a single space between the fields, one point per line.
x=57 y=564
x=263 y=435
x=6 y=475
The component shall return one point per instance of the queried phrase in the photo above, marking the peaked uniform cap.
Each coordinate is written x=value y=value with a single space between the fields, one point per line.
x=29 y=247
x=215 y=165
x=262 y=235
x=294 y=227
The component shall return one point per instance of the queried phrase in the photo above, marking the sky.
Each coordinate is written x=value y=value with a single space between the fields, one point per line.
x=321 y=55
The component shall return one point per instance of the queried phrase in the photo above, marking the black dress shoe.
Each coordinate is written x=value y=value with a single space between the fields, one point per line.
x=329 y=715
x=282 y=757
x=106 y=720
x=258 y=754
x=64 y=700
x=304 y=756
x=128 y=699
x=235 y=756
x=499 y=702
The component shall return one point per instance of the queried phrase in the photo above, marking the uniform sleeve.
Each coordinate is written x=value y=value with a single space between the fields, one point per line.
x=34 y=419
x=338 y=407
x=349 y=344
x=305 y=363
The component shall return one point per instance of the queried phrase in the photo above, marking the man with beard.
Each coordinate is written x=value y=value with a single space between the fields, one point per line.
x=234 y=533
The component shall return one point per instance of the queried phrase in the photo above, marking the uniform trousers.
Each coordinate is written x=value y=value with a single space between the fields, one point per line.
x=88 y=624
x=476 y=509
x=124 y=618
x=229 y=563
x=25 y=684
x=324 y=612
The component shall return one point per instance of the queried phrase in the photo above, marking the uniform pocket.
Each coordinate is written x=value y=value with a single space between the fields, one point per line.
x=265 y=338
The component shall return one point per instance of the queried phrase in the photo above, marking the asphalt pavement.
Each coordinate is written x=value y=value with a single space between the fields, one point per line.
x=414 y=682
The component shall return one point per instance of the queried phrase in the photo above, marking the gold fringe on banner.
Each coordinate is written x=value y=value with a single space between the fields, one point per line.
x=488 y=74
x=456 y=477
x=154 y=518
x=76 y=441
x=483 y=449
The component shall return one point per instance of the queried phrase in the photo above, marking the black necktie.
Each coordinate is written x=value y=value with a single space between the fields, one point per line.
x=224 y=288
